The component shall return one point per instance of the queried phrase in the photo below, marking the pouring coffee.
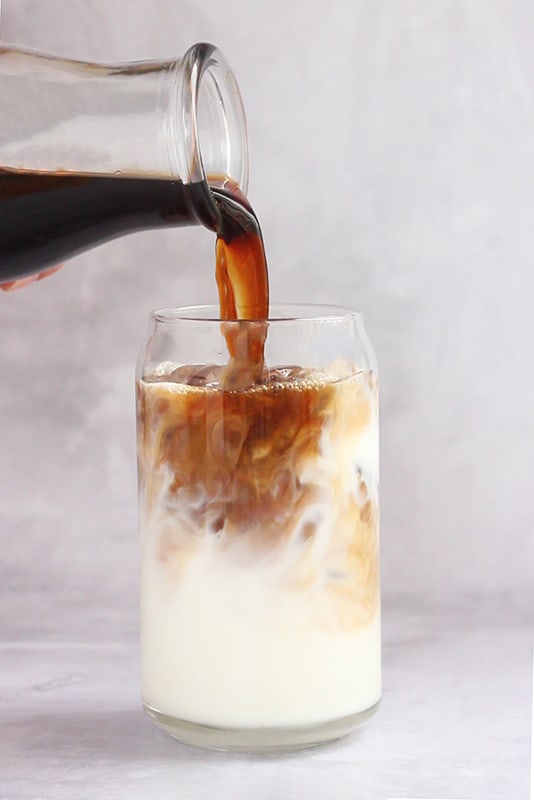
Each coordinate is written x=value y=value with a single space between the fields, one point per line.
x=257 y=433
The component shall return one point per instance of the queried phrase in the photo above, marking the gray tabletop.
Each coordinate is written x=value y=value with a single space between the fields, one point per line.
x=454 y=721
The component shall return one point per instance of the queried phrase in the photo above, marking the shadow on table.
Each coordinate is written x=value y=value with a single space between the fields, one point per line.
x=127 y=734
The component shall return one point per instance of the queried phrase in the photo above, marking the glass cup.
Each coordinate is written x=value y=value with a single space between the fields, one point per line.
x=260 y=599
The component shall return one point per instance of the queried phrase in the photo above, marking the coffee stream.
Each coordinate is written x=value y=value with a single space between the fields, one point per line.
x=47 y=217
x=242 y=282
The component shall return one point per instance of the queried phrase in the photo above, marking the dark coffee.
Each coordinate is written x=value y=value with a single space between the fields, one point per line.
x=48 y=217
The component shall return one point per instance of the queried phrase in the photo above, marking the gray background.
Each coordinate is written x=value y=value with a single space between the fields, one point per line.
x=392 y=152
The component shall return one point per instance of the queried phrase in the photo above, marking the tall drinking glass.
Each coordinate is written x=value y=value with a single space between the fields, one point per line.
x=260 y=602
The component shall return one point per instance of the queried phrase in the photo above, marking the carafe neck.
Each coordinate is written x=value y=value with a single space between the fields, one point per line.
x=179 y=119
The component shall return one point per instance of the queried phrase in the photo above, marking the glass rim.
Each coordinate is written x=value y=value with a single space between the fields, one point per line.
x=202 y=62
x=278 y=313
x=205 y=72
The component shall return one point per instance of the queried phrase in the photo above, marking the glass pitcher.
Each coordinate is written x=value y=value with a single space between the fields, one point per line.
x=89 y=152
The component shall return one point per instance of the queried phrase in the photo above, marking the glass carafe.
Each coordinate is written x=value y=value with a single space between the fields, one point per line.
x=89 y=152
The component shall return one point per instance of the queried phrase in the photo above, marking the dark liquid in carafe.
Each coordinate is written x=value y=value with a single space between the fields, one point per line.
x=48 y=217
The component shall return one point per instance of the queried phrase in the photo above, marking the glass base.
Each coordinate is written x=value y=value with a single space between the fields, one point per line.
x=258 y=740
